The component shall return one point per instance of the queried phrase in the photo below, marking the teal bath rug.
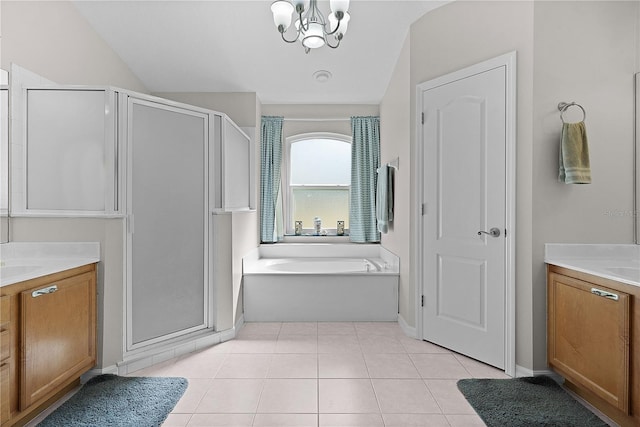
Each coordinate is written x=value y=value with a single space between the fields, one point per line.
x=531 y=401
x=110 y=400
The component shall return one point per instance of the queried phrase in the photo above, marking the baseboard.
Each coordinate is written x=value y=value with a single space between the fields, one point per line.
x=145 y=359
x=239 y=324
x=113 y=369
x=409 y=331
x=526 y=372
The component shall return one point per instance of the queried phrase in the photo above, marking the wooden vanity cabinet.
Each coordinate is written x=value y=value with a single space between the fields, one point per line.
x=592 y=340
x=5 y=357
x=52 y=340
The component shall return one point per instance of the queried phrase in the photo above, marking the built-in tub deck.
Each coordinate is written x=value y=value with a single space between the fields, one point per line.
x=320 y=282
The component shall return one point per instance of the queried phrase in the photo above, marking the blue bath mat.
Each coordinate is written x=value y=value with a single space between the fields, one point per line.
x=110 y=400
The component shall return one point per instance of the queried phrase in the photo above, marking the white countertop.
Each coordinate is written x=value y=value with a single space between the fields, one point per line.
x=615 y=262
x=20 y=261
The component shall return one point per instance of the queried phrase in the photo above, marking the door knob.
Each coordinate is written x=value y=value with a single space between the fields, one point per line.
x=494 y=232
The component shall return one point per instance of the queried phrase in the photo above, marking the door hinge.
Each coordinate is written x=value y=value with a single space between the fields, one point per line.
x=422 y=117
x=422 y=301
x=423 y=209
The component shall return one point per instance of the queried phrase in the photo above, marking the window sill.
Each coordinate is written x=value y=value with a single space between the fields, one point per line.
x=309 y=238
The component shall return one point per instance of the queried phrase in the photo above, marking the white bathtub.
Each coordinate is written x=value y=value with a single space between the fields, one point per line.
x=320 y=282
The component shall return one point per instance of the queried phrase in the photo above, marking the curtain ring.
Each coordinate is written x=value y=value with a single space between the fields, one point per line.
x=564 y=106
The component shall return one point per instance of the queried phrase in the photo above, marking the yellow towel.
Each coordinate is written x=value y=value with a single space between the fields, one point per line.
x=574 y=155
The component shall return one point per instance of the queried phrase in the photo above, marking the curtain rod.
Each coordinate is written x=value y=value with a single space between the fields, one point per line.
x=310 y=119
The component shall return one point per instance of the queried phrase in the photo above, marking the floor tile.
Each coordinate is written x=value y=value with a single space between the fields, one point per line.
x=293 y=366
x=380 y=344
x=177 y=420
x=448 y=397
x=260 y=328
x=286 y=420
x=196 y=365
x=254 y=344
x=336 y=328
x=297 y=344
x=479 y=369
x=191 y=398
x=342 y=365
x=404 y=397
x=439 y=366
x=242 y=365
x=415 y=420
x=465 y=421
x=413 y=345
x=289 y=396
x=338 y=344
x=378 y=328
x=347 y=396
x=231 y=396
x=221 y=420
x=299 y=328
x=392 y=365
x=351 y=420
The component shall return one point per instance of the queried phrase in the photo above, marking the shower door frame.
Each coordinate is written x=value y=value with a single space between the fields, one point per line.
x=125 y=104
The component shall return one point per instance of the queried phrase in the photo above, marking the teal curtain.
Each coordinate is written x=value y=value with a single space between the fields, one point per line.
x=365 y=159
x=270 y=162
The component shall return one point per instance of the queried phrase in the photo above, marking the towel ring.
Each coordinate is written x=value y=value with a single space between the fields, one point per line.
x=564 y=106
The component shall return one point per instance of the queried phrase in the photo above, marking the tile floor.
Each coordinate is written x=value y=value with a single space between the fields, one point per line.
x=323 y=374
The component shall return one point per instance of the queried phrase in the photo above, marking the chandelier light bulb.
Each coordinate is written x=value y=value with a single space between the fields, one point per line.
x=339 y=6
x=314 y=36
x=282 y=11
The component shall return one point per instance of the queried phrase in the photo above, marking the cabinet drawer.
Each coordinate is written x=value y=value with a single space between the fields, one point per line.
x=5 y=311
x=5 y=345
x=5 y=338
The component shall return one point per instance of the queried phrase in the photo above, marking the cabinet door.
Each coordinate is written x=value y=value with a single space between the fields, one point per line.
x=588 y=337
x=58 y=332
x=5 y=358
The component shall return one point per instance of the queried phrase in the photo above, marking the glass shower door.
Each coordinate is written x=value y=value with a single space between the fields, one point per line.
x=167 y=293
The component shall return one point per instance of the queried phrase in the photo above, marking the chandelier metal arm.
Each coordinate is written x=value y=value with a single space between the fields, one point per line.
x=339 y=16
x=283 y=38
x=339 y=38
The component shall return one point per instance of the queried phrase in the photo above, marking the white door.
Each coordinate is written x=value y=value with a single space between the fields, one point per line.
x=464 y=193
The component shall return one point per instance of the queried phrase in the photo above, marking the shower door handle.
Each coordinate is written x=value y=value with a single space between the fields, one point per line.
x=494 y=232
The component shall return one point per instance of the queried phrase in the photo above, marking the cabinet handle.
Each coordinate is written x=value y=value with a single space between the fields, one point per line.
x=44 y=291
x=605 y=294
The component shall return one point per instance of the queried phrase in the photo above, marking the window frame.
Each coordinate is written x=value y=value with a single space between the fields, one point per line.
x=287 y=188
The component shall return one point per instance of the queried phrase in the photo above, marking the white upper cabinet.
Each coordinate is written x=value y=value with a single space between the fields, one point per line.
x=231 y=176
x=67 y=156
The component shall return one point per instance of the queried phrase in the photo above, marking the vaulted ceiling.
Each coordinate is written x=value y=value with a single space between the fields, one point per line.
x=233 y=46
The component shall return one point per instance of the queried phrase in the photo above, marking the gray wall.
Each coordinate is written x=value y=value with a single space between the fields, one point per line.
x=567 y=51
x=319 y=111
x=592 y=62
x=395 y=141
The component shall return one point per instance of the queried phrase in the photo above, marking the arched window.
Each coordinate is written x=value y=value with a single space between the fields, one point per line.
x=317 y=181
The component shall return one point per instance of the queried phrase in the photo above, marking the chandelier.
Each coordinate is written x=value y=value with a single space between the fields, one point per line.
x=312 y=29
